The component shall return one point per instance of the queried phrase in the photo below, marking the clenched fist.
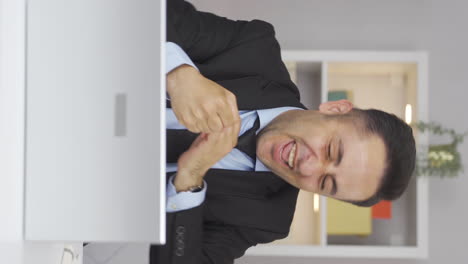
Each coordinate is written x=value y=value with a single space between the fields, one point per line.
x=200 y=104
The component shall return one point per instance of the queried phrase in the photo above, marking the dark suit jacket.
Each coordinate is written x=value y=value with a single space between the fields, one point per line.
x=241 y=208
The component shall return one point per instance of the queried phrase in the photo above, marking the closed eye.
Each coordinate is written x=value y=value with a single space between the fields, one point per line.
x=322 y=185
x=334 y=188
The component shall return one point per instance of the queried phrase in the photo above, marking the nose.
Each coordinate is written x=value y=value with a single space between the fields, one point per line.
x=316 y=167
x=311 y=168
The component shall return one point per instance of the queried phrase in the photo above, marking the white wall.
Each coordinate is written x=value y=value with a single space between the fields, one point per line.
x=435 y=26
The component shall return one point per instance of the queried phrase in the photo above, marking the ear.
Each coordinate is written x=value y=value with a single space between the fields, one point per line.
x=336 y=107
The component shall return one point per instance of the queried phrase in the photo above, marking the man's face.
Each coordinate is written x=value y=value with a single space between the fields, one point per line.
x=330 y=155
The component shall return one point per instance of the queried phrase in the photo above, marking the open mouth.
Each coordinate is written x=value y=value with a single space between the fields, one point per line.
x=288 y=154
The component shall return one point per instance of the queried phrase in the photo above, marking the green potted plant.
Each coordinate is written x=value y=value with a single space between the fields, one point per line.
x=441 y=159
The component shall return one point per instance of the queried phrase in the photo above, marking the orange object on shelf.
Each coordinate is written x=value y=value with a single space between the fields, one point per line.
x=382 y=210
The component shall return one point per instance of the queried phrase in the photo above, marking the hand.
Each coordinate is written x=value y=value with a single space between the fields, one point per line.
x=200 y=104
x=205 y=151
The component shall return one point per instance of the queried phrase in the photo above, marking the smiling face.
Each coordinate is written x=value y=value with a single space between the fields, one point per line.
x=324 y=152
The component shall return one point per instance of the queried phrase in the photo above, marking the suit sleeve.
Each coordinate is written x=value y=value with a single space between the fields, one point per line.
x=202 y=35
x=224 y=48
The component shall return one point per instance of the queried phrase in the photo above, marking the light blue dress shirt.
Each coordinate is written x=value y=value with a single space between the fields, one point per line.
x=176 y=56
x=235 y=160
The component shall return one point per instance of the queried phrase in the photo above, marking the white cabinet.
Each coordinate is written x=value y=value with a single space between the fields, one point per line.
x=382 y=80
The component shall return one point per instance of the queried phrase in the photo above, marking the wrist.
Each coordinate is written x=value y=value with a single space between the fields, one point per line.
x=183 y=183
x=181 y=75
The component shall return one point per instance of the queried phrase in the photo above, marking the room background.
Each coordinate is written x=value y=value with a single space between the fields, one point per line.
x=434 y=26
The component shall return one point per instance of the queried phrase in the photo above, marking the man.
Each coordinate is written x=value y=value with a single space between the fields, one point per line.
x=222 y=199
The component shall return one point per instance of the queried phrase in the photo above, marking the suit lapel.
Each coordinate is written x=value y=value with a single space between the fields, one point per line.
x=252 y=199
x=249 y=183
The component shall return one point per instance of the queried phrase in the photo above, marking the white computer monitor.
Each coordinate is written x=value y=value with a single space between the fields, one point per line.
x=95 y=143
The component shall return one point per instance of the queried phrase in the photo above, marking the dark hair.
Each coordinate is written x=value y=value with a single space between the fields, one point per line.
x=400 y=153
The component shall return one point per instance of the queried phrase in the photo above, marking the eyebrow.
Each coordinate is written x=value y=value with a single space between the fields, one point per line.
x=334 y=189
x=340 y=153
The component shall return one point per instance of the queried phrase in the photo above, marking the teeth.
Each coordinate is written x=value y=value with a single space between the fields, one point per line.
x=292 y=154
